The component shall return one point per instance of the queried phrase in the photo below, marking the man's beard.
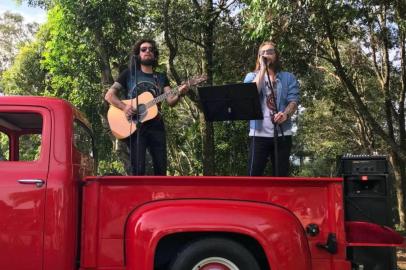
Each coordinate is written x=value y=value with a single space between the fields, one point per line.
x=148 y=62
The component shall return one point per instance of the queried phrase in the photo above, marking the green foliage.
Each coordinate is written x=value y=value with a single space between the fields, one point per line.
x=231 y=141
x=38 y=3
x=26 y=76
x=346 y=54
x=81 y=35
x=29 y=147
x=330 y=46
x=183 y=139
x=316 y=167
x=110 y=167
x=186 y=27
x=233 y=57
x=82 y=39
x=4 y=146
x=14 y=34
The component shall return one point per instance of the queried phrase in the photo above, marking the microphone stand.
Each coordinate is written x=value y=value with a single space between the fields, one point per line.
x=276 y=125
x=133 y=72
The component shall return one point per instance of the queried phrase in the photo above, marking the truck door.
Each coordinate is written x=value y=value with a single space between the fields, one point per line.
x=24 y=158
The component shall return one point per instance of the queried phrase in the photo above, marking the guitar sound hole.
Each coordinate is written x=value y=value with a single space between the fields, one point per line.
x=142 y=111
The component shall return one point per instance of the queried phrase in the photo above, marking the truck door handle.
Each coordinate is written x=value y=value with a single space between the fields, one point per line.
x=38 y=182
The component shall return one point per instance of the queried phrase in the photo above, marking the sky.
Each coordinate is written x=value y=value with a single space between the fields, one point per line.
x=30 y=14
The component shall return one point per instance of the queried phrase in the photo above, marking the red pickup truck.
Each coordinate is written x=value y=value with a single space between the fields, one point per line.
x=55 y=215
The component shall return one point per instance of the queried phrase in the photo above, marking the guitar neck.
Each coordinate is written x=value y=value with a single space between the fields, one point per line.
x=161 y=98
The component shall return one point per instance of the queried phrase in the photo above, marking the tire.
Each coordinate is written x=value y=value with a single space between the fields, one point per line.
x=214 y=254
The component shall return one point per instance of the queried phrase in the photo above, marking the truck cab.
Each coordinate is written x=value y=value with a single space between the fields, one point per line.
x=58 y=214
x=46 y=150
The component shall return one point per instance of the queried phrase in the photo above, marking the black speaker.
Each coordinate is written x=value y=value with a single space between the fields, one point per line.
x=367 y=198
x=372 y=258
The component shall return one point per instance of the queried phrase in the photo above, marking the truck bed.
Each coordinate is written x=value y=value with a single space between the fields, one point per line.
x=110 y=200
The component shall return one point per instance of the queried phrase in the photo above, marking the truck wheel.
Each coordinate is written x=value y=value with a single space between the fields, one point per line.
x=215 y=254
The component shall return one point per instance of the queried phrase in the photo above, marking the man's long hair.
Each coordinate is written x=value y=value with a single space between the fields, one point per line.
x=135 y=52
x=278 y=64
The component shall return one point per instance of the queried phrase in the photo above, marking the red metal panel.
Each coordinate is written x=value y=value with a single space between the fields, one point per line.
x=63 y=193
x=57 y=238
x=111 y=253
x=331 y=264
x=276 y=229
x=333 y=222
x=364 y=234
x=90 y=226
x=312 y=200
x=22 y=206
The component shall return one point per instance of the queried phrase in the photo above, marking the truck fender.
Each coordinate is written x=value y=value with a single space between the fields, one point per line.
x=276 y=229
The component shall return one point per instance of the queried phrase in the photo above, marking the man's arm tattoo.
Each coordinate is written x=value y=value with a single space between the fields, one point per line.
x=117 y=86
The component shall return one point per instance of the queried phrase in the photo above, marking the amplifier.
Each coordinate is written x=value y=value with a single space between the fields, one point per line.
x=362 y=164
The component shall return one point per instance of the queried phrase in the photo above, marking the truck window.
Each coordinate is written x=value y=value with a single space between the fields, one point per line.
x=30 y=147
x=82 y=138
x=20 y=136
x=4 y=146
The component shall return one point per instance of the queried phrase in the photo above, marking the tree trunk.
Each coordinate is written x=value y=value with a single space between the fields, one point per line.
x=106 y=76
x=402 y=120
x=107 y=80
x=208 y=134
x=400 y=186
x=208 y=147
x=170 y=42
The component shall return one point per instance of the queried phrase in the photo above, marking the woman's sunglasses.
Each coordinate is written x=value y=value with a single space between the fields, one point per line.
x=267 y=52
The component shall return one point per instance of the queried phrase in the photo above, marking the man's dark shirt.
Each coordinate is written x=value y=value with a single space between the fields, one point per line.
x=154 y=83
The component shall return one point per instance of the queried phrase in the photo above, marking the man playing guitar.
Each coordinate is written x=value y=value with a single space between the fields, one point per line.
x=136 y=80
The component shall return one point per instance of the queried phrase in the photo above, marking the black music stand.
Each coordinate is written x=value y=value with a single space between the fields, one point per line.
x=238 y=101
x=230 y=102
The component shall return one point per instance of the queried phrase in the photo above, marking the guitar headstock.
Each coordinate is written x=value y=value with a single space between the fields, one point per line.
x=195 y=80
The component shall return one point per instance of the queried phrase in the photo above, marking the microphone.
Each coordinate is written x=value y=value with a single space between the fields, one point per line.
x=134 y=61
x=264 y=61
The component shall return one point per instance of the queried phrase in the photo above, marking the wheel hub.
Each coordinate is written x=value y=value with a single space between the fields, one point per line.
x=215 y=263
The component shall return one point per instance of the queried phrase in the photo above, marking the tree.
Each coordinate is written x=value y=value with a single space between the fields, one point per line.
x=26 y=76
x=90 y=40
x=210 y=35
x=14 y=33
x=352 y=41
x=78 y=54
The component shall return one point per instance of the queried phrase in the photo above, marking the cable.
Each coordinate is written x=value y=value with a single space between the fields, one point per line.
x=253 y=147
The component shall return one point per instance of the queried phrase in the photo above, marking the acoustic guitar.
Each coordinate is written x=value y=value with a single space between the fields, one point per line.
x=122 y=127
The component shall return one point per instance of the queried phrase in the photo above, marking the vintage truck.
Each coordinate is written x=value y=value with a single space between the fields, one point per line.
x=56 y=215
